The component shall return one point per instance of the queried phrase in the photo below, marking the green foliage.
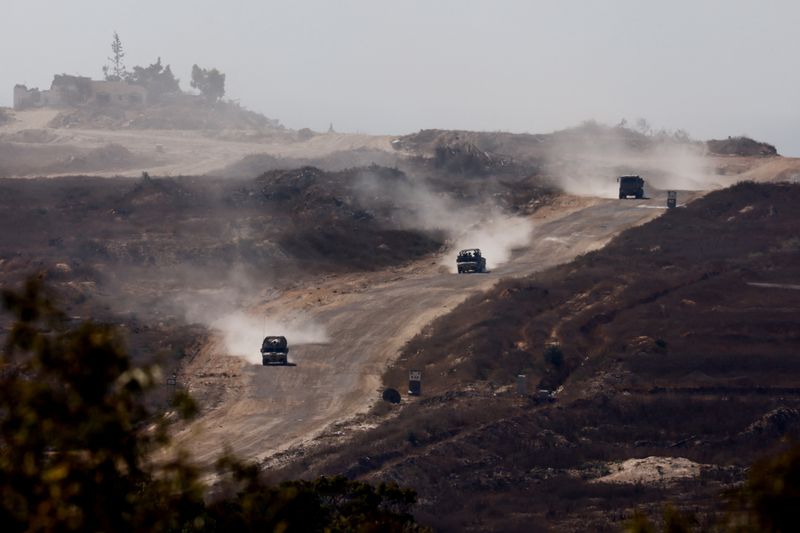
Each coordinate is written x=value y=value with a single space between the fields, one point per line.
x=209 y=82
x=71 y=409
x=77 y=444
x=770 y=499
x=157 y=79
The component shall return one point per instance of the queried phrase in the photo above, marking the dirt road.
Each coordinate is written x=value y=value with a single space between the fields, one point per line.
x=270 y=409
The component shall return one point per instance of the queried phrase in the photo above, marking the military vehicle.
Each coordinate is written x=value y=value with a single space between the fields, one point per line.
x=631 y=186
x=470 y=260
x=274 y=350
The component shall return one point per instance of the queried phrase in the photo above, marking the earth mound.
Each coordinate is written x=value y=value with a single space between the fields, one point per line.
x=181 y=113
x=743 y=146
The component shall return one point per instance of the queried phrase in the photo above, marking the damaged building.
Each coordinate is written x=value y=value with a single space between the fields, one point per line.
x=68 y=91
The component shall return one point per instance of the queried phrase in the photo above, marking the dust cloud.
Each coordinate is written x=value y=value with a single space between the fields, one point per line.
x=466 y=225
x=236 y=314
x=589 y=165
x=497 y=236
x=243 y=332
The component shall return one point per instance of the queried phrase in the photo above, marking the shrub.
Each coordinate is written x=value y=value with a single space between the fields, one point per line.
x=76 y=441
x=554 y=356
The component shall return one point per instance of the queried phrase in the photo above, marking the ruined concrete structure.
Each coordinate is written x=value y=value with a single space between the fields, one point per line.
x=69 y=90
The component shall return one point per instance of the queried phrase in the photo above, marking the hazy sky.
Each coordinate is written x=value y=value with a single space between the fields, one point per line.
x=713 y=68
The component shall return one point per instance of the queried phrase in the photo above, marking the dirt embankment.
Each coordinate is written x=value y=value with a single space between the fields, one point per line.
x=204 y=222
x=581 y=160
x=665 y=344
x=367 y=322
x=175 y=113
x=42 y=142
x=133 y=251
x=740 y=146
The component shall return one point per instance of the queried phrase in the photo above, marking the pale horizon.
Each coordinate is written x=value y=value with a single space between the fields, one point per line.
x=714 y=69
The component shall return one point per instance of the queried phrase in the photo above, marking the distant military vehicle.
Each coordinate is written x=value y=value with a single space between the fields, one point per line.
x=631 y=186
x=470 y=260
x=274 y=350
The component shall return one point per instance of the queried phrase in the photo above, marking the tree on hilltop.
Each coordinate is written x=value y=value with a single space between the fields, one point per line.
x=116 y=70
x=157 y=79
x=209 y=82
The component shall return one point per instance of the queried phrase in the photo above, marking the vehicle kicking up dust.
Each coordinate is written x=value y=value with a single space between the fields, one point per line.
x=631 y=186
x=274 y=350
x=471 y=260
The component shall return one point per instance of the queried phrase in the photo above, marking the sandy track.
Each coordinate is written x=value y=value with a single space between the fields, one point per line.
x=278 y=407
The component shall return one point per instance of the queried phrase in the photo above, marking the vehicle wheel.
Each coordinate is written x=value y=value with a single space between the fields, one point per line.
x=621 y=196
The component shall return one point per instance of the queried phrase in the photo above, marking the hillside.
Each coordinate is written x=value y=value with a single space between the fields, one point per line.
x=676 y=342
x=133 y=251
x=741 y=146
x=179 y=112
x=344 y=242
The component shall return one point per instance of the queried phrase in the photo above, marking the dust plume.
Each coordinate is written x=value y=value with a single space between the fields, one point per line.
x=466 y=224
x=586 y=161
x=243 y=332
x=236 y=313
x=497 y=235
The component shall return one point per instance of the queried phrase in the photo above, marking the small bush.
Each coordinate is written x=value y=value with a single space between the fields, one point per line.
x=74 y=455
x=554 y=356
x=391 y=396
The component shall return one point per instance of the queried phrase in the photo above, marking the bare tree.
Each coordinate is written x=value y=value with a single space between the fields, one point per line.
x=116 y=70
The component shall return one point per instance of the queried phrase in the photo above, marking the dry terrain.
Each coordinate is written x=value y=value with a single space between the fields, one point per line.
x=668 y=340
x=274 y=408
x=673 y=354
x=30 y=146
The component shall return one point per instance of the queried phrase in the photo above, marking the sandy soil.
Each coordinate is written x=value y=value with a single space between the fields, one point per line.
x=180 y=152
x=30 y=119
x=650 y=471
x=264 y=410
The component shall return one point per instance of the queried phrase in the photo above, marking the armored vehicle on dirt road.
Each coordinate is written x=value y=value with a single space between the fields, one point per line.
x=631 y=186
x=274 y=350
x=470 y=260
